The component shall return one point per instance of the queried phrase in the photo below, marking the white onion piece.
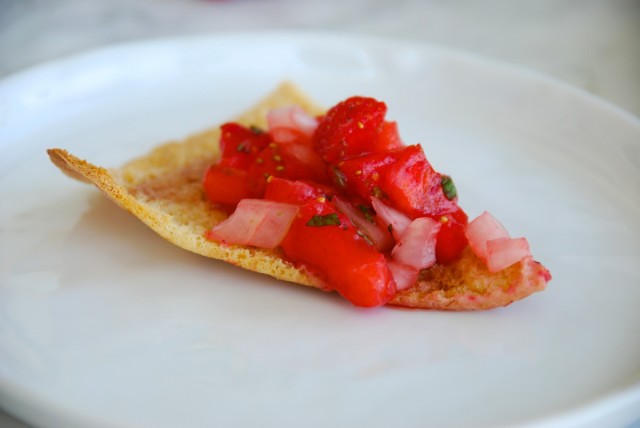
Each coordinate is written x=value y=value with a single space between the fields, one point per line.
x=417 y=247
x=482 y=229
x=380 y=238
x=391 y=216
x=504 y=252
x=258 y=222
x=404 y=276
x=286 y=124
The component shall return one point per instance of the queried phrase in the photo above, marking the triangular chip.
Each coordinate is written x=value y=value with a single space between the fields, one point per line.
x=164 y=190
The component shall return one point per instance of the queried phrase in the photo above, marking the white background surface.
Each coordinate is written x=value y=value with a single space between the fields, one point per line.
x=590 y=44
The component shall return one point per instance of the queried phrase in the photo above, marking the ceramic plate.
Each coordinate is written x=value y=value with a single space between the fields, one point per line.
x=104 y=324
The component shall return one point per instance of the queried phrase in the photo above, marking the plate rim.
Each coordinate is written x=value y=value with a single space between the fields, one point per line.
x=433 y=48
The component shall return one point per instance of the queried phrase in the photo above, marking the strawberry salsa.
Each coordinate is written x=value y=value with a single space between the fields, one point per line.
x=342 y=195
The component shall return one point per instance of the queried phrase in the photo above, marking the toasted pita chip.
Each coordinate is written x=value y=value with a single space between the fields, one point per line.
x=164 y=190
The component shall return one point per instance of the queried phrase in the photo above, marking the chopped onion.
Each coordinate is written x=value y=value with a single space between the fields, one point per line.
x=404 y=276
x=380 y=238
x=304 y=154
x=417 y=247
x=287 y=124
x=504 y=252
x=482 y=229
x=285 y=135
x=391 y=217
x=258 y=222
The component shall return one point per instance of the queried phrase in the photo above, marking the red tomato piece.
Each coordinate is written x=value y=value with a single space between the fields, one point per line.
x=403 y=179
x=349 y=128
x=292 y=161
x=414 y=187
x=324 y=239
x=295 y=191
x=225 y=185
x=361 y=175
x=389 y=138
x=240 y=145
x=451 y=238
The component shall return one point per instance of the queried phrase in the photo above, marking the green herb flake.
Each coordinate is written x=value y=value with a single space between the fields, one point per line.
x=324 y=220
x=377 y=192
x=256 y=130
x=448 y=187
x=243 y=147
x=339 y=177
x=367 y=212
x=365 y=237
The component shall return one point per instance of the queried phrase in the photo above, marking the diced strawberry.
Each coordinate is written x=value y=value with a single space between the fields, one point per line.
x=451 y=238
x=403 y=179
x=414 y=187
x=240 y=145
x=295 y=191
x=292 y=161
x=361 y=175
x=225 y=185
x=323 y=238
x=349 y=128
x=389 y=138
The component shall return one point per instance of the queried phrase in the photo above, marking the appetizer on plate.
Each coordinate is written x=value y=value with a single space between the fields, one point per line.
x=331 y=199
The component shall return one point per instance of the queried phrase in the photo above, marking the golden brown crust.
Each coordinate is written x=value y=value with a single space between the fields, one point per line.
x=468 y=285
x=163 y=189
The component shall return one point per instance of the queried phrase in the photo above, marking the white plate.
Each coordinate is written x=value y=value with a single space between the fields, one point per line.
x=102 y=323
